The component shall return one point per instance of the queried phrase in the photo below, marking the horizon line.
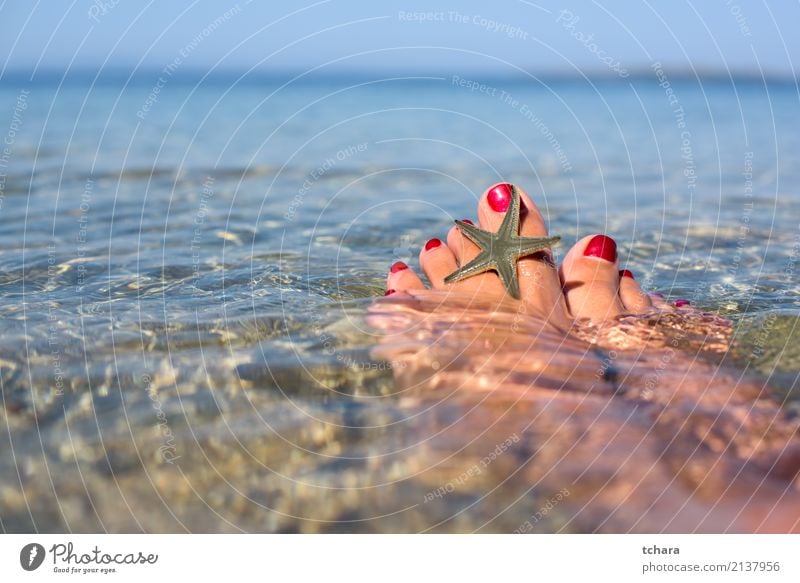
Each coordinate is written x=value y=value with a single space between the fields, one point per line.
x=193 y=74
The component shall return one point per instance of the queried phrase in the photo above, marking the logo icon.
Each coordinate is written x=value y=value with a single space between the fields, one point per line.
x=31 y=556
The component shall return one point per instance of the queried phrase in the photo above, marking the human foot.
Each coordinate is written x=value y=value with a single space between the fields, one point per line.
x=649 y=429
x=588 y=285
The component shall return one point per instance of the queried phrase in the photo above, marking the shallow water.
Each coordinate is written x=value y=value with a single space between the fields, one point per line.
x=184 y=289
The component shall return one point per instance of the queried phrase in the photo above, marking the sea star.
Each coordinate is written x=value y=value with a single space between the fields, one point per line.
x=500 y=250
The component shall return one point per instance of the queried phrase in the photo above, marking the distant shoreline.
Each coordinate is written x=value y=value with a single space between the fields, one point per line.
x=146 y=76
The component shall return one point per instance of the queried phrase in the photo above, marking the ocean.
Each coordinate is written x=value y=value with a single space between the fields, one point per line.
x=187 y=264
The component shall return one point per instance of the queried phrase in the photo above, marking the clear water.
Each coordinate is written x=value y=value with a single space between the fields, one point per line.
x=183 y=288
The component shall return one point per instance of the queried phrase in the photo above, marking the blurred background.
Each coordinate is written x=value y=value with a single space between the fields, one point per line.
x=334 y=36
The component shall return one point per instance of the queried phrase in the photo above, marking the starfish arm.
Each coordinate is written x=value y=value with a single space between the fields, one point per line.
x=507 y=269
x=481 y=238
x=529 y=245
x=510 y=226
x=483 y=262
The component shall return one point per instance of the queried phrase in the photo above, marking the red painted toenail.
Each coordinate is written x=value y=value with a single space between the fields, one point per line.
x=432 y=244
x=499 y=197
x=626 y=273
x=468 y=222
x=681 y=303
x=602 y=247
x=398 y=266
x=389 y=292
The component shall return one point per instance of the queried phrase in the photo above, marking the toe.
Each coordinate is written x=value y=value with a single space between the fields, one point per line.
x=539 y=281
x=633 y=298
x=402 y=278
x=591 y=279
x=465 y=251
x=437 y=261
x=494 y=203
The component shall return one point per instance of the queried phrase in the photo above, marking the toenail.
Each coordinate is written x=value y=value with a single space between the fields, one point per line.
x=432 y=244
x=602 y=247
x=681 y=303
x=499 y=197
x=626 y=273
x=398 y=266
x=389 y=292
x=468 y=222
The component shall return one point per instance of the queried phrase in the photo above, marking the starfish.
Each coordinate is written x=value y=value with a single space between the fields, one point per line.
x=500 y=250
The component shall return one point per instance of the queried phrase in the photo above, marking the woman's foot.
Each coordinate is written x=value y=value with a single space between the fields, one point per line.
x=649 y=431
x=588 y=285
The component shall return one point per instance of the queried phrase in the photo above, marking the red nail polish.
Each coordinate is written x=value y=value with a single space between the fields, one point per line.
x=432 y=244
x=468 y=222
x=681 y=303
x=398 y=266
x=389 y=292
x=499 y=197
x=602 y=247
x=626 y=273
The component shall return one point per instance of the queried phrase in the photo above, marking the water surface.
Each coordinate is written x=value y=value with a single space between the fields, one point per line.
x=185 y=281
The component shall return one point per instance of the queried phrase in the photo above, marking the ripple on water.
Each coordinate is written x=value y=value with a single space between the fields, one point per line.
x=208 y=323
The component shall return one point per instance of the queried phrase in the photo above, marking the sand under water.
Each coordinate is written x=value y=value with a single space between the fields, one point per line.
x=460 y=418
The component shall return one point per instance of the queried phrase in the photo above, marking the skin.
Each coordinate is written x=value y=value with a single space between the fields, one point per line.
x=500 y=251
x=583 y=287
x=620 y=395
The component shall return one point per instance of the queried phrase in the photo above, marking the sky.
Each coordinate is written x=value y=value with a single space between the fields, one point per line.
x=330 y=36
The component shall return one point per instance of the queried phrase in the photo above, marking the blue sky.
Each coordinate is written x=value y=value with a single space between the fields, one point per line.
x=497 y=37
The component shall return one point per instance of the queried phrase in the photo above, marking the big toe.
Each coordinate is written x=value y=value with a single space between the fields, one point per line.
x=540 y=286
x=590 y=278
